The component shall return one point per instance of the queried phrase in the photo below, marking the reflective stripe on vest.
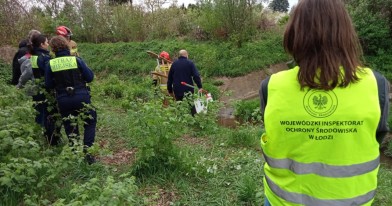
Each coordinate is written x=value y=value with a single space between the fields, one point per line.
x=320 y=146
x=63 y=63
x=34 y=61
x=309 y=200
x=323 y=169
x=163 y=87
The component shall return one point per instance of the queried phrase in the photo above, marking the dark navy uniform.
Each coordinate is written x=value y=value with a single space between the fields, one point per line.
x=69 y=75
x=39 y=59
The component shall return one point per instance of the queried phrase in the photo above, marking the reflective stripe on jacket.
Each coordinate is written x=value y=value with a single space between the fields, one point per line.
x=320 y=146
x=34 y=65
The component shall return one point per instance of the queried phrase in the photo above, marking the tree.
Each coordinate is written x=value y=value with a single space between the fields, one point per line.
x=121 y=2
x=279 y=5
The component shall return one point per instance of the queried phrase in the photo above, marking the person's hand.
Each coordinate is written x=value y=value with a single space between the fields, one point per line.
x=201 y=90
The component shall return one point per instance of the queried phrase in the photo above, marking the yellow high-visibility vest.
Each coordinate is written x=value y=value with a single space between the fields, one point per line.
x=320 y=146
x=162 y=81
x=34 y=61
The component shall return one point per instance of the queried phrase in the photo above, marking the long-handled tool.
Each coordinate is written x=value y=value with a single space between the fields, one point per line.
x=208 y=95
x=201 y=104
x=155 y=55
x=188 y=85
x=159 y=74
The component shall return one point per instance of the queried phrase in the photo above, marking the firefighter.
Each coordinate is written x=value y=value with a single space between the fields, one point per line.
x=69 y=76
x=161 y=71
x=324 y=119
x=67 y=33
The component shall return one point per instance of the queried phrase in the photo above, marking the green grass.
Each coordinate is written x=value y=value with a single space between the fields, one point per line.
x=179 y=159
x=211 y=58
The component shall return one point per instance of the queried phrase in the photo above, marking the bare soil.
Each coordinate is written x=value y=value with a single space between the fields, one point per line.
x=246 y=87
x=242 y=88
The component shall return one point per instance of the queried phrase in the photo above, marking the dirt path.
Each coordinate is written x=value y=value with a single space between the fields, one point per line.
x=243 y=87
x=246 y=87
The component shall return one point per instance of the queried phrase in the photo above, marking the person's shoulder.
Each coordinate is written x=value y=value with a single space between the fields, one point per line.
x=44 y=56
x=379 y=77
x=79 y=60
x=188 y=61
x=23 y=43
x=72 y=43
x=366 y=70
x=289 y=71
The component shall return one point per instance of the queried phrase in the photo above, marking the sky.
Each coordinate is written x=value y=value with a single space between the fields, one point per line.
x=186 y=2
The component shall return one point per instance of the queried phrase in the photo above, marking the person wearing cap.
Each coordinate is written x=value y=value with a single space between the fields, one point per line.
x=67 y=33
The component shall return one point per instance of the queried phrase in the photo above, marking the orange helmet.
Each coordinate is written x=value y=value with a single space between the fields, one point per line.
x=164 y=55
x=63 y=31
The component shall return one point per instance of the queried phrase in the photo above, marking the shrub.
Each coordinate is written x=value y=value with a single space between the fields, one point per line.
x=122 y=191
x=5 y=72
x=157 y=128
x=248 y=110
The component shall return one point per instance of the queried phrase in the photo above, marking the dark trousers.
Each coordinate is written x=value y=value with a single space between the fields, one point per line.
x=53 y=127
x=71 y=105
x=47 y=121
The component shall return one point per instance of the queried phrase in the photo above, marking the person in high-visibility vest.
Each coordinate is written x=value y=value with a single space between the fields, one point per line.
x=22 y=51
x=323 y=119
x=69 y=76
x=162 y=71
x=39 y=57
x=67 y=33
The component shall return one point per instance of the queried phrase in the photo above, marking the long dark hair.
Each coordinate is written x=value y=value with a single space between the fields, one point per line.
x=36 y=42
x=321 y=38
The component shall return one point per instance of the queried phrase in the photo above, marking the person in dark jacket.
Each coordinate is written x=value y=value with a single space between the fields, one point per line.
x=23 y=50
x=39 y=59
x=68 y=75
x=183 y=70
x=15 y=63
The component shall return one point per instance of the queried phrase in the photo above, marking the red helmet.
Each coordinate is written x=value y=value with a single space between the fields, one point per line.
x=164 y=55
x=63 y=31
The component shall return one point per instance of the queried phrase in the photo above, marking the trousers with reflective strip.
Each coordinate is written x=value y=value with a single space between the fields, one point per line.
x=320 y=146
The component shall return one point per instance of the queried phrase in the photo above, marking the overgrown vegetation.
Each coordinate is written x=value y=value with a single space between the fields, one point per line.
x=248 y=110
x=211 y=58
x=176 y=158
x=150 y=154
x=102 y=21
x=373 y=22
